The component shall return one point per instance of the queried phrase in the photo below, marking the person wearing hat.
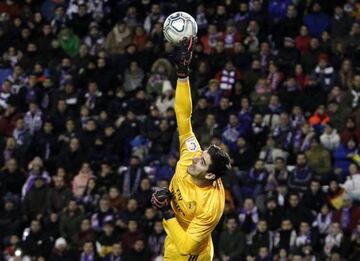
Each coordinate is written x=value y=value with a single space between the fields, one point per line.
x=324 y=73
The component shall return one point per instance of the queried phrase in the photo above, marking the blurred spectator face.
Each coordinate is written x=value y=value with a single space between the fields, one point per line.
x=291 y=11
x=33 y=107
x=294 y=201
x=241 y=142
x=350 y=124
x=231 y=224
x=224 y=103
x=356 y=82
x=82 y=10
x=314 y=43
x=316 y=8
x=114 y=193
x=132 y=226
x=314 y=186
x=134 y=162
x=59 y=11
x=108 y=229
x=233 y=120
x=61 y=173
x=85 y=225
x=117 y=249
x=35 y=226
x=139 y=245
x=61 y=106
x=210 y=120
x=164 y=125
x=104 y=205
x=85 y=168
x=243 y=7
x=155 y=9
x=132 y=205
x=355 y=29
x=25 y=33
x=220 y=10
x=304 y=228
x=88 y=248
x=286 y=225
x=335 y=228
x=271 y=205
x=145 y=184
x=158 y=227
x=297 y=258
x=10 y=142
x=333 y=185
x=280 y=164
x=48 y=127
x=6 y=87
x=149 y=213
x=212 y=29
x=219 y=47
x=264 y=48
x=256 y=65
x=301 y=160
x=70 y=125
x=47 y=29
x=263 y=252
x=262 y=226
x=59 y=182
x=248 y=204
x=324 y=209
x=72 y=206
x=55 y=44
x=259 y=165
x=270 y=142
x=256 y=4
x=92 y=87
x=353 y=169
x=11 y=165
x=90 y=125
x=131 y=116
x=258 y=119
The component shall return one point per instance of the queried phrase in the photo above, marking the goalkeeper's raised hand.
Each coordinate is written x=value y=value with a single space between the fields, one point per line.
x=182 y=56
x=161 y=200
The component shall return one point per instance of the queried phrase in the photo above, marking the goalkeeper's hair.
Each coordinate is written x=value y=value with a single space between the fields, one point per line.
x=220 y=161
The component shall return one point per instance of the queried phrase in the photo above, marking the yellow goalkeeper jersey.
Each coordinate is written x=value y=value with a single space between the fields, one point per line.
x=197 y=209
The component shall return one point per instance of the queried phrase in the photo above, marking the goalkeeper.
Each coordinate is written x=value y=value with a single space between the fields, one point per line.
x=194 y=203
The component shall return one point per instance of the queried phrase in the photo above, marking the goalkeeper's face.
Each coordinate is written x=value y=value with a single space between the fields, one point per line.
x=200 y=166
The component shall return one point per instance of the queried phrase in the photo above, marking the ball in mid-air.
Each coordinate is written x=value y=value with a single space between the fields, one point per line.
x=179 y=25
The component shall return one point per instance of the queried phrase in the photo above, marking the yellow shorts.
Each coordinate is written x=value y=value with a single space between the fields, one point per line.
x=171 y=253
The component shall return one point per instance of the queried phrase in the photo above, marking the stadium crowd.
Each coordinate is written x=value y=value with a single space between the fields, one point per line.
x=88 y=130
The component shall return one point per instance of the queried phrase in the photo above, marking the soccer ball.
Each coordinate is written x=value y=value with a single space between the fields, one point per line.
x=179 y=25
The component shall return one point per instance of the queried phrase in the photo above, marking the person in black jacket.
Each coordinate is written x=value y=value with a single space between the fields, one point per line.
x=36 y=243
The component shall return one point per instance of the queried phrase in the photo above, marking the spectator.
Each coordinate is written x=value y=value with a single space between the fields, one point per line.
x=36 y=244
x=317 y=21
x=81 y=180
x=300 y=177
x=319 y=159
x=330 y=139
x=232 y=241
x=347 y=215
x=70 y=220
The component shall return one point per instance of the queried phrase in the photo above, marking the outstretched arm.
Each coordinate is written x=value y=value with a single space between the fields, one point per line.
x=183 y=106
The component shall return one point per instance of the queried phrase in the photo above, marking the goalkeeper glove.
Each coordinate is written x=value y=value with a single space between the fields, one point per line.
x=182 y=56
x=161 y=200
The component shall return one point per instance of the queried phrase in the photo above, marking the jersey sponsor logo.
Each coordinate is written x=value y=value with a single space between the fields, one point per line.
x=191 y=144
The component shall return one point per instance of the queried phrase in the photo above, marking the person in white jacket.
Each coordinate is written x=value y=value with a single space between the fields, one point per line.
x=352 y=183
x=330 y=139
